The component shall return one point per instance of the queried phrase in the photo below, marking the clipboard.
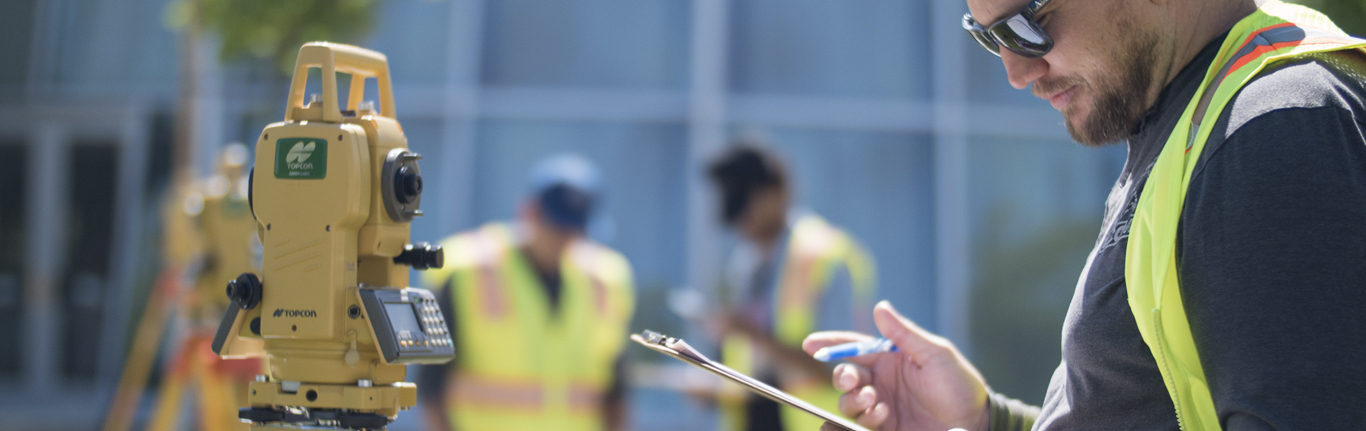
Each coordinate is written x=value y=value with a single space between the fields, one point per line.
x=680 y=349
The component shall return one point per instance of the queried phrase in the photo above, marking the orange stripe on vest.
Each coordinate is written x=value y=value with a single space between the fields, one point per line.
x=476 y=391
x=490 y=288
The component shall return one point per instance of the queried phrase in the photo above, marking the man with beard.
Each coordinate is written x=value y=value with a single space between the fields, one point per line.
x=1226 y=287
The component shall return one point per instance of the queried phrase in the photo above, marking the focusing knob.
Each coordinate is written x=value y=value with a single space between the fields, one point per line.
x=422 y=256
x=245 y=290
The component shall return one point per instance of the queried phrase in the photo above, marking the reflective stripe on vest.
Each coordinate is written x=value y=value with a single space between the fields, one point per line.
x=523 y=366
x=1274 y=32
x=814 y=252
x=528 y=396
x=491 y=244
x=815 y=249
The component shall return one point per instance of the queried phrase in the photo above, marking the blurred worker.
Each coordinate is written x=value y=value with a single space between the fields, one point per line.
x=227 y=247
x=794 y=273
x=539 y=313
x=230 y=245
x=209 y=237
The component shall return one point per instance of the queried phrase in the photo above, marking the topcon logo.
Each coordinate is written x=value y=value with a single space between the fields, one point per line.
x=301 y=158
x=280 y=312
x=300 y=154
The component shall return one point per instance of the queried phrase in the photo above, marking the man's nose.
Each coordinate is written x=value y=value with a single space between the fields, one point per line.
x=1021 y=70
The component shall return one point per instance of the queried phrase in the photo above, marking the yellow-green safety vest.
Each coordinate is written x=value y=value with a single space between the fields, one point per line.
x=815 y=249
x=229 y=244
x=1276 y=31
x=522 y=366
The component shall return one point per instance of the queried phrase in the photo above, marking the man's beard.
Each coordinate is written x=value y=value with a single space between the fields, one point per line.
x=1121 y=102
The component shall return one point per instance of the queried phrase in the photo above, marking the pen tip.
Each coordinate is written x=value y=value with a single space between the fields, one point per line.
x=822 y=355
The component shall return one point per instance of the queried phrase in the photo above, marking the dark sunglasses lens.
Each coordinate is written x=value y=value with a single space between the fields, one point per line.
x=1022 y=36
x=986 y=42
x=977 y=33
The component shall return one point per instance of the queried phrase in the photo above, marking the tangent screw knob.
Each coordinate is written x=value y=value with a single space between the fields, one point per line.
x=421 y=256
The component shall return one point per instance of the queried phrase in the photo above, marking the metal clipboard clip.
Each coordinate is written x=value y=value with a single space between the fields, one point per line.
x=680 y=350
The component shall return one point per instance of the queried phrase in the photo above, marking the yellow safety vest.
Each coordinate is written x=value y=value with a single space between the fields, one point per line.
x=229 y=234
x=1276 y=31
x=522 y=366
x=815 y=249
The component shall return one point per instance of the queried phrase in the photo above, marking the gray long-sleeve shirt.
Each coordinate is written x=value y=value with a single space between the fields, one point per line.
x=1271 y=255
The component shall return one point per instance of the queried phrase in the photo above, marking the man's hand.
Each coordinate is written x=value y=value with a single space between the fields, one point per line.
x=928 y=385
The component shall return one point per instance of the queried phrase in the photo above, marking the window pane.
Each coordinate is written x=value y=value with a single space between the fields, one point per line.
x=987 y=81
x=587 y=43
x=116 y=47
x=1036 y=209
x=413 y=34
x=865 y=48
x=16 y=29
x=13 y=174
x=89 y=234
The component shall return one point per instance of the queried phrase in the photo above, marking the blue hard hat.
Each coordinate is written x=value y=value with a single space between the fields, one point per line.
x=566 y=188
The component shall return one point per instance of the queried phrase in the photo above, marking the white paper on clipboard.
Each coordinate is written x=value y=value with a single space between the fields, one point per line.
x=677 y=348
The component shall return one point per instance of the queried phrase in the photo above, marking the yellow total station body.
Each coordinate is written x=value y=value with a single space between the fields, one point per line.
x=333 y=192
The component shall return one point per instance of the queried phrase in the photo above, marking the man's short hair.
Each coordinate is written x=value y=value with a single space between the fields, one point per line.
x=741 y=171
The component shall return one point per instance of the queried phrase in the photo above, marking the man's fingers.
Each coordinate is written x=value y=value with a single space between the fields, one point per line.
x=848 y=377
x=905 y=334
x=816 y=341
x=874 y=417
x=855 y=403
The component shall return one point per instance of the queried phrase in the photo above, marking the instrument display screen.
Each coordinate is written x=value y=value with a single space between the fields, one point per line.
x=408 y=325
x=402 y=317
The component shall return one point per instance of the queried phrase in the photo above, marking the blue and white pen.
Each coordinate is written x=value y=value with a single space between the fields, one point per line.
x=849 y=350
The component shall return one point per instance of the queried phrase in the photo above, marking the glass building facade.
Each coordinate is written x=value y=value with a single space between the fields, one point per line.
x=976 y=205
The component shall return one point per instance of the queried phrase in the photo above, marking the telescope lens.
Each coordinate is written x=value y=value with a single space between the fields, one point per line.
x=413 y=184
x=407 y=185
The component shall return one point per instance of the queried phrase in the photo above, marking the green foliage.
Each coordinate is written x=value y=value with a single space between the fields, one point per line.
x=1349 y=15
x=274 y=29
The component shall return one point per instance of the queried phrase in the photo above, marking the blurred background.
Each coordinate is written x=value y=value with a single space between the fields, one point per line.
x=978 y=208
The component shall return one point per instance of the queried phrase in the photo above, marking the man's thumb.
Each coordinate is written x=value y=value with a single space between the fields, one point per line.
x=904 y=333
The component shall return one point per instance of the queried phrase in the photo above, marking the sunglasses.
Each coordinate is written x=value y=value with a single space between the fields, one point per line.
x=1019 y=33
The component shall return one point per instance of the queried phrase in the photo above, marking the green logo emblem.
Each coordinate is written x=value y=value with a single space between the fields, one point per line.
x=301 y=159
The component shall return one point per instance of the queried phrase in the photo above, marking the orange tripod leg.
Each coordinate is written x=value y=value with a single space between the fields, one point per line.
x=217 y=394
x=141 y=356
x=172 y=391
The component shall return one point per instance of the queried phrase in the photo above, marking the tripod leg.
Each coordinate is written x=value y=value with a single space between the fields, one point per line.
x=217 y=411
x=142 y=355
x=172 y=391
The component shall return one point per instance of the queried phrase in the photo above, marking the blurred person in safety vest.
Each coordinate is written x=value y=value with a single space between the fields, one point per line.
x=209 y=236
x=539 y=313
x=792 y=273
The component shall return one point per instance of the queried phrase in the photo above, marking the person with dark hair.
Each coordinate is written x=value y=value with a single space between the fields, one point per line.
x=539 y=314
x=792 y=274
